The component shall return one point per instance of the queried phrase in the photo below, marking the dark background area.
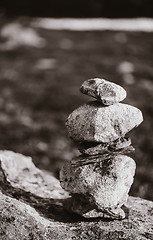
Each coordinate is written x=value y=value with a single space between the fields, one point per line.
x=78 y=8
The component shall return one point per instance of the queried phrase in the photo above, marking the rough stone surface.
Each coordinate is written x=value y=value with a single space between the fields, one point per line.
x=19 y=171
x=105 y=183
x=103 y=148
x=20 y=221
x=104 y=91
x=26 y=216
x=95 y=123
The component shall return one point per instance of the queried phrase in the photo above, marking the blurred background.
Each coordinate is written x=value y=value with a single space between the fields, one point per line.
x=42 y=67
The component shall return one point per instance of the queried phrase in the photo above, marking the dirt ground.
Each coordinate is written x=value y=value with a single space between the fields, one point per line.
x=39 y=88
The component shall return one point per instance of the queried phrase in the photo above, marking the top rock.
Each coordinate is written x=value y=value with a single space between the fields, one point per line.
x=104 y=91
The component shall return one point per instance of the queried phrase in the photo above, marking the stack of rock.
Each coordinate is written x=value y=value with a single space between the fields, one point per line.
x=100 y=178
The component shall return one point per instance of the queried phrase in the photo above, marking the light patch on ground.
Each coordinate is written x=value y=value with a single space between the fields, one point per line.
x=99 y=24
x=126 y=70
x=44 y=64
x=17 y=35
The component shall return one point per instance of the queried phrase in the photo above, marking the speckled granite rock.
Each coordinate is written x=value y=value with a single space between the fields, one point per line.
x=105 y=183
x=104 y=91
x=95 y=123
x=27 y=216
x=20 y=221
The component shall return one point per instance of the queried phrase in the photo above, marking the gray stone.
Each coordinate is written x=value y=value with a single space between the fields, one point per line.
x=19 y=172
x=32 y=217
x=106 y=183
x=106 y=152
x=19 y=221
x=104 y=91
x=93 y=122
x=118 y=145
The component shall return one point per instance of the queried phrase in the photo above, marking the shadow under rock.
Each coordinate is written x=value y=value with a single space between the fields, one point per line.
x=49 y=208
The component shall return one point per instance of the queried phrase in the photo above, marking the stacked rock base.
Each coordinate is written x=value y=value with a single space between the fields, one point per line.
x=100 y=178
x=101 y=185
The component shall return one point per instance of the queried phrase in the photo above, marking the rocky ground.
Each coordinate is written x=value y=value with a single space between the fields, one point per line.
x=33 y=206
x=40 y=74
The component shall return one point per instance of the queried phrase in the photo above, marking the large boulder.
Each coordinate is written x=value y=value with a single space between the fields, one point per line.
x=94 y=122
x=20 y=173
x=20 y=221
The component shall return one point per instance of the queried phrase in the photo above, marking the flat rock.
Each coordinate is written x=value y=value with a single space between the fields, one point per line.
x=107 y=152
x=104 y=91
x=24 y=216
x=104 y=148
x=106 y=183
x=21 y=221
x=86 y=159
x=93 y=122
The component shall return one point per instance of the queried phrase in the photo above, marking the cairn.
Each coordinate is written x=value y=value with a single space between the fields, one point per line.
x=100 y=178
